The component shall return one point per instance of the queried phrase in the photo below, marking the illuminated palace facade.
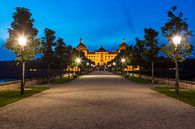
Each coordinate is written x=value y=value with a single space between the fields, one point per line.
x=101 y=57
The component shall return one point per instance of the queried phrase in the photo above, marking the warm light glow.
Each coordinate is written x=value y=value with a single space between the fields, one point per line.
x=22 y=40
x=176 y=40
x=87 y=64
x=114 y=63
x=78 y=60
x=123 y=60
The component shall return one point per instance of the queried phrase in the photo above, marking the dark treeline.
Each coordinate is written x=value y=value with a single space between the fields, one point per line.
x=34 y=69
x=164 y=66
x=37 y=69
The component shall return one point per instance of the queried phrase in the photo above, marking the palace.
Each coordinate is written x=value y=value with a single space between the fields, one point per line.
x=101 y=57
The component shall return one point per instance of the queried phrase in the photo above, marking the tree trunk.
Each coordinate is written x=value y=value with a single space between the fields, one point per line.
x=74 y=70
x=152 y=71
x=61 y=71
x=48 y=73
x=60 y=74
x=176 y=75
x=140 y=72
x=23 y=78
x=132 y=71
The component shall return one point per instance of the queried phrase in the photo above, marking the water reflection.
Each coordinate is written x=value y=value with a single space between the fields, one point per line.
x=6 y=80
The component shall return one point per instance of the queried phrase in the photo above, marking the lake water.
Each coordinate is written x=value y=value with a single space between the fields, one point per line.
x=6 y=80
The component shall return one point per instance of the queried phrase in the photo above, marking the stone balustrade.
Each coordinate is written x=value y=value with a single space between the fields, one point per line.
x=171 y=82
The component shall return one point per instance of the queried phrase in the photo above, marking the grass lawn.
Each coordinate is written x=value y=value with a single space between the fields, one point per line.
x=63 y=80
x=138 y=80
x=7 y=97
x=187 y=96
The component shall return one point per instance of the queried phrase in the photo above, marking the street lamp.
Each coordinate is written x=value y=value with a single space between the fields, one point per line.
x=123 y=60
x=176 y=40
x=22 y=40
x=78 y=60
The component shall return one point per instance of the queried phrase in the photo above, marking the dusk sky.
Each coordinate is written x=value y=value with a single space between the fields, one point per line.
x=98 y=22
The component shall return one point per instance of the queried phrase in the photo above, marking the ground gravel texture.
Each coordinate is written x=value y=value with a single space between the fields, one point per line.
x=98 y=101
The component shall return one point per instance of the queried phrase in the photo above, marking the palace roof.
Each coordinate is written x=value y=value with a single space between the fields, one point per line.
x=123 y=44
x=101 y=50
x=81 y=45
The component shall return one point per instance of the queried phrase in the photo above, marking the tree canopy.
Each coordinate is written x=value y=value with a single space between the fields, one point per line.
x=47 y=46
x=177 y=25
x=151 y=43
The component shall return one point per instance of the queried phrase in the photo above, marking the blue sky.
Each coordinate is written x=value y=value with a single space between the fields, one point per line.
x=98 y=22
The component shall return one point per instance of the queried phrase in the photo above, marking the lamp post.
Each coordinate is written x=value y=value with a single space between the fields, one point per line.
x=22 y=40
x=176 y=40
x=114 y=64
x=87 y=67
x=78 y=61
x=123 y=61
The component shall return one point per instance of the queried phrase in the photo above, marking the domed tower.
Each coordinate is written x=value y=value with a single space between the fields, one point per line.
x=123 y=45
x=81 y=47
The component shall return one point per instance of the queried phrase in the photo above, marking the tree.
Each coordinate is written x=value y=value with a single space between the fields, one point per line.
x=69 y=52
x=139 y=49
x=60 y=55
x=23 y=26
x=177 y=25
x=86 y=64
x=133 y=60
x=48 y=42
x=84 y=60
x=152 y=48
x=124 y=54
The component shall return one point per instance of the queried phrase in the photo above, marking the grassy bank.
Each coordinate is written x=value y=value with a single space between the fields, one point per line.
x=7 y=97
x=187 y=96
x=137 y=79
x=63 y=80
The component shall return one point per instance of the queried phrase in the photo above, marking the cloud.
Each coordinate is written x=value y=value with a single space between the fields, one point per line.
x=127 y=14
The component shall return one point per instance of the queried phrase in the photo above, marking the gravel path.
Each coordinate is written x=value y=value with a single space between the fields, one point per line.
x=98 y=101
